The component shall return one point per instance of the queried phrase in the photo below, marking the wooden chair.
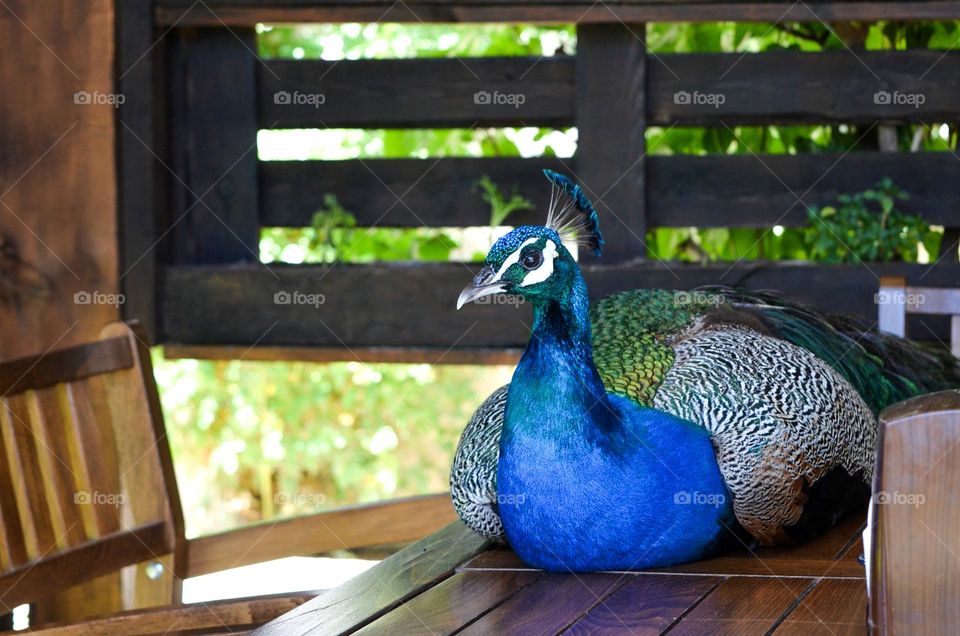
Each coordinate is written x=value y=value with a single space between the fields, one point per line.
x=895 y=300
x=87 y=485
x=914 y=534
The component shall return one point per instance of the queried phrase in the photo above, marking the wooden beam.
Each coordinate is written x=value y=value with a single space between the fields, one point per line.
x=412 y=305
x=138 y=196
x=214 y=214
x=369 y=595
x=247 y=13
x=229 y=616
x=425 y=93
x=757 y=190
x=394 y=521
x=64 y=365
x=611 y=98
x=341 y=354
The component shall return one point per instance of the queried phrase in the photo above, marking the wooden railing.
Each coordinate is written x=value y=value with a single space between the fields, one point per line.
x=208 y=94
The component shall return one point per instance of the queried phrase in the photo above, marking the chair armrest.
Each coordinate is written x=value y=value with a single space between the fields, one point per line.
x=914 y=534
x=393 y=521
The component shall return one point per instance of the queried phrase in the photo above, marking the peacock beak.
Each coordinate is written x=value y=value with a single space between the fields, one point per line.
x=482 y=285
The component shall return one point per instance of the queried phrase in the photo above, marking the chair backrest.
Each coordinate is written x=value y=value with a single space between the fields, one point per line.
x=86 y=480
x=914 y=531
x=895 y=300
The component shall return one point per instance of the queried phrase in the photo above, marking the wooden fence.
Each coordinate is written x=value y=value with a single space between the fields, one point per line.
x=194 y=196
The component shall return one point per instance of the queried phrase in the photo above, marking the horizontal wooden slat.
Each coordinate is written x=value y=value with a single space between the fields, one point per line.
x=226 y=617
x=430 y=192
x=412 y=305
x=683 y=190
x=62 y=365
x=760 y=191
x=381 y=523
x=685 y=89
x=339 y=354
x=32 y=581
x=794 y=87
x=249 y=12
x=427 y=93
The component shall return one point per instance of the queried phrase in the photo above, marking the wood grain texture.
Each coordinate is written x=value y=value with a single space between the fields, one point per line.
x=412 y=304
x=682 y=190
x=366 y=597
x=833 y=607
x=241 y=13
x=451 y=604
x=646 y=605
x=416 y=93
x=394 y=521
x=57 y=172
x=220 y=617
x=63 y=365
x=915 y=572
x=743 y=606
x=547 y=606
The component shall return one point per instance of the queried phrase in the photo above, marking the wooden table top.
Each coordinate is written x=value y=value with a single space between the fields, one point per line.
x=453 y=582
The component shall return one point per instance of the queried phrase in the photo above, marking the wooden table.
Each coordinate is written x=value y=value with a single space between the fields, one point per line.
x=452 y=582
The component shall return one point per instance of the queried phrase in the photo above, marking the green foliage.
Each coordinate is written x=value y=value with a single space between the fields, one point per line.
x=867 y=227
x=334 y=236
x=500 y=206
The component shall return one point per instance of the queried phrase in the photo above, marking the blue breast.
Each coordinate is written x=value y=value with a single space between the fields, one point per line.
x=617 y=487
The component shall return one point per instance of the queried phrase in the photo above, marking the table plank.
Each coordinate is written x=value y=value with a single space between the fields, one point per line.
x=646 y=605
x=834 y=607
x=547 y=606
x=381 y=588
x=450 y=605
x=743 y=606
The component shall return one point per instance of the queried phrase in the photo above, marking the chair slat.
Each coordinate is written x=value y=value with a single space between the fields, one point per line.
x=49 y=415
x=94 y=453
x=12 y=550
x=22 y=453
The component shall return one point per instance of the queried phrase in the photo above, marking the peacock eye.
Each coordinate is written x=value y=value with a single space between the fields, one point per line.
x=532 y=260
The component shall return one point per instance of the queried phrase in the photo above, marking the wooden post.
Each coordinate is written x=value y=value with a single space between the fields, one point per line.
x=611 y=119
x=214 y=209
x=138 y=197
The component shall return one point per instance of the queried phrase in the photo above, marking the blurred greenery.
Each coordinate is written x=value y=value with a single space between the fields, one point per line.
x=256 y=440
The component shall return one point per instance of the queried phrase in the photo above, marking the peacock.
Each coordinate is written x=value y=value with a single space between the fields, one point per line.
x=656 y=427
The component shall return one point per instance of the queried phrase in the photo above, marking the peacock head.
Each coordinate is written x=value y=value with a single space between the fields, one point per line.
x=532 y=261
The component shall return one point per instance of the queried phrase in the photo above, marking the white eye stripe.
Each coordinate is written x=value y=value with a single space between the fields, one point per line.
x=545 y=270
x=514 y=258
